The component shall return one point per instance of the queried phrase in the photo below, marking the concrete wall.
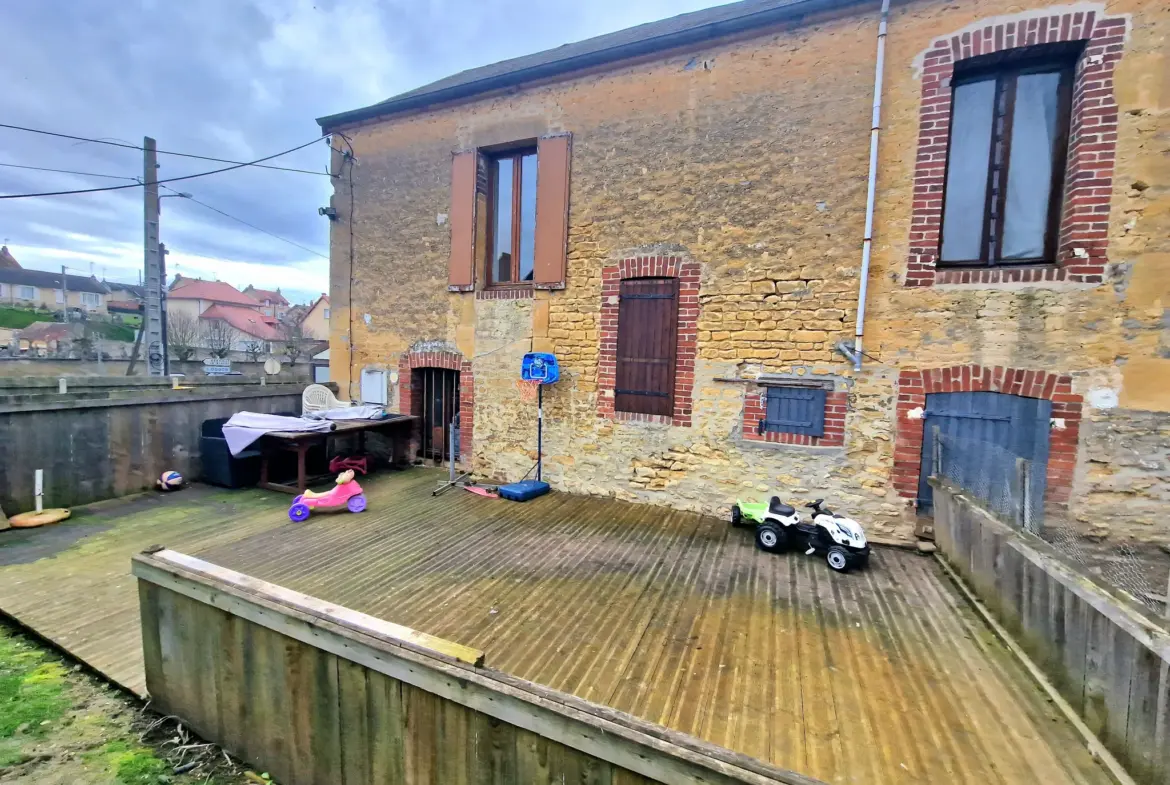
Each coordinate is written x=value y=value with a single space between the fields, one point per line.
x=56 y=367
x=106 y=438
x=315 y=693
x=750 y=158
x=1110 y=662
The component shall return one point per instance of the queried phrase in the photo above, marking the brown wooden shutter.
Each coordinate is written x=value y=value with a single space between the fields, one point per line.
x=552 y=210
x=461 y=266
x=646 y=346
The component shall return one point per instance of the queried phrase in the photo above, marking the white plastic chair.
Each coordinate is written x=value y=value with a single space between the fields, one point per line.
x=319 y=398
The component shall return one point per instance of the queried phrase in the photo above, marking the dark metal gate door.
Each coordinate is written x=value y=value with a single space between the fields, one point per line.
x=975 y=424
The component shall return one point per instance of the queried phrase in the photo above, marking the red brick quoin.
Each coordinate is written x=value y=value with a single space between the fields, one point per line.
x=913 y=387
x=688 y=333
x=756 y=407
x=1088 y=184
x=409 y=404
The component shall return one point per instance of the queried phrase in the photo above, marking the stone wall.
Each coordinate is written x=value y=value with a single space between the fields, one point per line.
x=749 y=159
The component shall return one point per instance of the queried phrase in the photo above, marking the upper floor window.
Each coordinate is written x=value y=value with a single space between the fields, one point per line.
x=1005 y=163
x=326 y=313
x=512 y=217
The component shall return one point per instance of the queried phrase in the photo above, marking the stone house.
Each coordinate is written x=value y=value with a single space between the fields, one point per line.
x=272 y=302
x=678 y=212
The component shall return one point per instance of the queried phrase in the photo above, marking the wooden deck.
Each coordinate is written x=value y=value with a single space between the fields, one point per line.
x=883 y=676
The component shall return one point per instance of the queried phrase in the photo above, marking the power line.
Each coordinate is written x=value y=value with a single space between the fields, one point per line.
x=129 y=146
x=69 y=171
x=168 y=180
x=245 y=223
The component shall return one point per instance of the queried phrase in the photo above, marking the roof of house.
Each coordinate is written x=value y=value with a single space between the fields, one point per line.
x=131 y=289
x=47 y=331
x=215 y=291
x=44 y=279
x=266 y=294
x=683 y=30
x=7 y=260
x=247 y=320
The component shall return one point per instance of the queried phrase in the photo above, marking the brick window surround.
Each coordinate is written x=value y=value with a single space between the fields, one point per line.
x=914 y=386
x=755 y=408
x=687 y=274
x=1084 y=222
x=452 y=361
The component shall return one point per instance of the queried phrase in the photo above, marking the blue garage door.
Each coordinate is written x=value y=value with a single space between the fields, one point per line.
x=981 y=426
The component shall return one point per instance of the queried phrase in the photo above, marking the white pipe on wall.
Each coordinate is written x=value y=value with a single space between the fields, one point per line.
x=871 y=188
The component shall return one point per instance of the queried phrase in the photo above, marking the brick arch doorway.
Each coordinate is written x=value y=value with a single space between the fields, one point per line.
x=915 y=385
x=438 y=388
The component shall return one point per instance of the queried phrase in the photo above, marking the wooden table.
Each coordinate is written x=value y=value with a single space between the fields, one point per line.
x=397 y=426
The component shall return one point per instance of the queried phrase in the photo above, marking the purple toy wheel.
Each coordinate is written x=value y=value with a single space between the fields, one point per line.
x=298 y=512
x=298 y=499
x=356 y=503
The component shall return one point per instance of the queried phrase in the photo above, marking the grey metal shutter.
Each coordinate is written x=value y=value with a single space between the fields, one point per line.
x=799 y=410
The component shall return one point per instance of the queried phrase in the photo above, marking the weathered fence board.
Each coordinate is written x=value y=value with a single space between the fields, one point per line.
x=1108 y=660
x=316 y=693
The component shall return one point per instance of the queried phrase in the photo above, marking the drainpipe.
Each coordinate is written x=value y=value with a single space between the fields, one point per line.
x=856 y=353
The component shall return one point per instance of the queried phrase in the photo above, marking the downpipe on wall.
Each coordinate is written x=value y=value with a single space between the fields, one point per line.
x=856 y=352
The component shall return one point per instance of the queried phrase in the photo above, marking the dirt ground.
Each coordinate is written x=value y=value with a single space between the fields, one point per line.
x=61 y=726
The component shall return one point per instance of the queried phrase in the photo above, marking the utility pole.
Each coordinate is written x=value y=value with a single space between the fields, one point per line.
x=162 y=299
x=64 y=297
x=152 y=317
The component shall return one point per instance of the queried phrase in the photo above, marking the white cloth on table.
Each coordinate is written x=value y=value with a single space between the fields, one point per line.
x=357 y=412
x=246 y=427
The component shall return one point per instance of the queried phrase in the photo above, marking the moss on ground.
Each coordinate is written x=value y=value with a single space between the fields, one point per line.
x=59 y=725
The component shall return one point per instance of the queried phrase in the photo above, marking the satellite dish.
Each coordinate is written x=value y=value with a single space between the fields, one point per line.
x=272 y=366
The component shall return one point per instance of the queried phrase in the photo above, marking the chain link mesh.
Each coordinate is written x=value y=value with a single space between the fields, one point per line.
x=1008 y=487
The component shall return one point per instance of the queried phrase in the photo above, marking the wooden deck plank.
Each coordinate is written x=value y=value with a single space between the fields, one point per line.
x=881 y=676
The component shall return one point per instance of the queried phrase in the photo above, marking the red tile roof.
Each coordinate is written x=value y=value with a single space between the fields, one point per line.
x=247 y=320
x=215 y=291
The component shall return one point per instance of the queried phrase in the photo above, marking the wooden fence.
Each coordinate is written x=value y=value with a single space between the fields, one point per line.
x=316 y=693
x=1108 y=661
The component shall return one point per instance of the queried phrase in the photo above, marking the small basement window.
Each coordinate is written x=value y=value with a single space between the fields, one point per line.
x=798 y=410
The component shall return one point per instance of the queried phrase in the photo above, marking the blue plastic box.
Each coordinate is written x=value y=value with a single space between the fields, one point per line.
x=523 y=491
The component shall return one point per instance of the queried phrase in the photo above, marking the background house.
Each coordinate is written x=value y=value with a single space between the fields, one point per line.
x=7 y=261
x=192 y=296
x=315 y=322
x=273 y=303
x=691 y=213
x=41 y=289
x=250 y=330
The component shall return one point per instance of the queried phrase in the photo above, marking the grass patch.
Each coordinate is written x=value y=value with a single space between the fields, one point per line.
x=131 y=764
x=32 y=689
x=19 y=318
x=112 y=331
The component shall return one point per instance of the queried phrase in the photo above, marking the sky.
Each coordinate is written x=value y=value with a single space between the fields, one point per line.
x=233 y=79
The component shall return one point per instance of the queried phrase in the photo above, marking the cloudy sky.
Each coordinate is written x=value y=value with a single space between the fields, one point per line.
x=234 y=79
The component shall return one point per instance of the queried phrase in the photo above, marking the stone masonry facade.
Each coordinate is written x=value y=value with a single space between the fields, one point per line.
x=746 y=178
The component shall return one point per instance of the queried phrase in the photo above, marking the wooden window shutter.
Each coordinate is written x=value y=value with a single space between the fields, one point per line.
x=799 y=410
x=461 y=266
x=552 y=211
x=646 y=346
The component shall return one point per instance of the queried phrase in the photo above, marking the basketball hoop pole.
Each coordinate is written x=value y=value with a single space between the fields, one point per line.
x=539 y=430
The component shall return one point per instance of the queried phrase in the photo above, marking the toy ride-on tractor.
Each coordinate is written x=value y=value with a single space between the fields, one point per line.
x=779 y=527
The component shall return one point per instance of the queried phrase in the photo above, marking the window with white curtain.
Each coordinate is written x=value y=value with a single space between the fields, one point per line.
x=27 y=293
x=1005 y=163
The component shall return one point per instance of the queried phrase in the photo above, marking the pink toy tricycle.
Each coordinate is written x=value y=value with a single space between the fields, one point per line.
x=346 y=495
